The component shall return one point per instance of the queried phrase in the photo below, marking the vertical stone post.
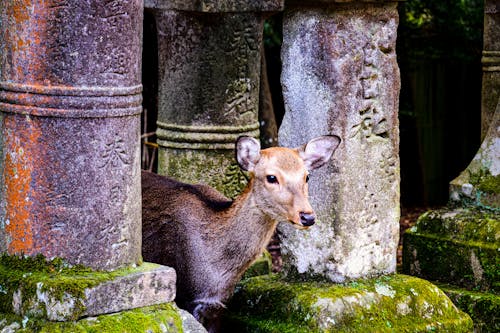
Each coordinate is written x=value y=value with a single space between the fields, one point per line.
x=70 y=99
x=478 y=183
x=491 y=64
x=209 y=69
x=340 y=76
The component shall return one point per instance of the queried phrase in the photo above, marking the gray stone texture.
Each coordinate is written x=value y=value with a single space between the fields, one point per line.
x=146 y=285
x=491 y=64
x=209 y=72
x=216 y=6
x=70 y=99
x=340 y=77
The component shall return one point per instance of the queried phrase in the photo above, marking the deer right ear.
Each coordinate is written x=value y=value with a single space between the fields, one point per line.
x=247 y=152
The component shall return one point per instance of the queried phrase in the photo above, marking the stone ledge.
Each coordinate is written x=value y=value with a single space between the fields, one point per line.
x=395 y=303
x=482 y=307
x=457 y=246
x=217 y=6
x=68 y=294
x=164 y=318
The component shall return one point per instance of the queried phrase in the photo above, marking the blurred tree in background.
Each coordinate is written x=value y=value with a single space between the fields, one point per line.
x=439 y=54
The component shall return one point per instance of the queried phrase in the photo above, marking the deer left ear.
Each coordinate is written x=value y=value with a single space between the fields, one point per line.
x=318 y=151
x=247 y=152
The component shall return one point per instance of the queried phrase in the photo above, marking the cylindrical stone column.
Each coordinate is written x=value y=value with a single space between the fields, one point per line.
x=340 y=76
x=70 y=99
x=491 y=64
x=209 y=70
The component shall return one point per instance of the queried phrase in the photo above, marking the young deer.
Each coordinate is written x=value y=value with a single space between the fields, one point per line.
x=210 y=240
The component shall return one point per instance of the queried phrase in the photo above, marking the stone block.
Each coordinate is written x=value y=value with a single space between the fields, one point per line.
x=55 y=292
x=163 y=318
x=460 y=246
x=393 y=303
x=482 y=307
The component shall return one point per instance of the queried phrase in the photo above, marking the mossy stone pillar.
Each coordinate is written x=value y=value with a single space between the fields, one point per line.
x=209 y=70
x=340 y=76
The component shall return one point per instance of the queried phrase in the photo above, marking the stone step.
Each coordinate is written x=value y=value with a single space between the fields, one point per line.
x=482 y=307
x=33 y=288
x=165 y=318
x=395 y=303
x=456 y=246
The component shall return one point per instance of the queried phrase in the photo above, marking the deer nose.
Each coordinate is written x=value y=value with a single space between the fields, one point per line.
x=307 y=219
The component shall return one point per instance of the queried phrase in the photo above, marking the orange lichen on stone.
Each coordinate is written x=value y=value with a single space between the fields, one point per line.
x=18 y=175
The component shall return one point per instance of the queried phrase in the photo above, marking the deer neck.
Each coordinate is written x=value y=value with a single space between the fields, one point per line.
x=247 y=229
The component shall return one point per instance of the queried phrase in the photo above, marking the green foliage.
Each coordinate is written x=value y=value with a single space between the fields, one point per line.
x=450 y=29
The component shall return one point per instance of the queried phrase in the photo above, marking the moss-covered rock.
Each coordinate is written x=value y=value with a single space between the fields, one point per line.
x=35 y=288
x=483 y=308
x=394 y=303
x=159 y=318
x=459 y=246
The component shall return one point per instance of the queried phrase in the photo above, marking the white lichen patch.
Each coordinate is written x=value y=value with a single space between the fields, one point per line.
x=57 y=309
x=403 y=308
x=385 y=290
x=477 y=269
x=333 y=311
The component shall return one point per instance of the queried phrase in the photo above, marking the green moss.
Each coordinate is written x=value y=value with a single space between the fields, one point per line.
x=261 y=266
x=216 y=168
x=159 y=318
x=490 y=184
x=483 y=308
x=458 y=246
x=30 y=276
x=387 y=304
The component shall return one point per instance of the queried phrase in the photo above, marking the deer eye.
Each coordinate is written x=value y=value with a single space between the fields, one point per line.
x=271 y=179
x=307 y=178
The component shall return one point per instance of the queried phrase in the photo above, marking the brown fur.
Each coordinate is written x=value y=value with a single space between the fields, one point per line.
x=210 y=240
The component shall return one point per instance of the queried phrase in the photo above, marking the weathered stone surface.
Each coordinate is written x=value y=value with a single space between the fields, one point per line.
x=394 y=303
x=70 y=98
x=73 y=294
x=459 y=247
x=483 y=308
x=217 y=6
x=209 y=69
x=151 y=285
x=340 y=76
x=479 y=183
x=164 y=318
x=491 y=64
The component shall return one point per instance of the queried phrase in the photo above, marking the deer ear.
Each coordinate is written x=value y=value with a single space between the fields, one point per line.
x=318 y=151
x=247 y=152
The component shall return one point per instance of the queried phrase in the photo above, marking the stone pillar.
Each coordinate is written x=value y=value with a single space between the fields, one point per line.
x=340 y=76
x=491 y=64
x=209 y=68
x=70 y=99
x=478 y=183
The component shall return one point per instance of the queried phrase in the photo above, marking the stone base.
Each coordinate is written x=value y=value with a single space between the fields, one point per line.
x=33 y=288
x=164 y=318
x=482 y=307
x=459 y=246
x=395 y=303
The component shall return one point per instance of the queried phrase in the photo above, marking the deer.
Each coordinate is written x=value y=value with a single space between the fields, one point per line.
x=211 y=240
